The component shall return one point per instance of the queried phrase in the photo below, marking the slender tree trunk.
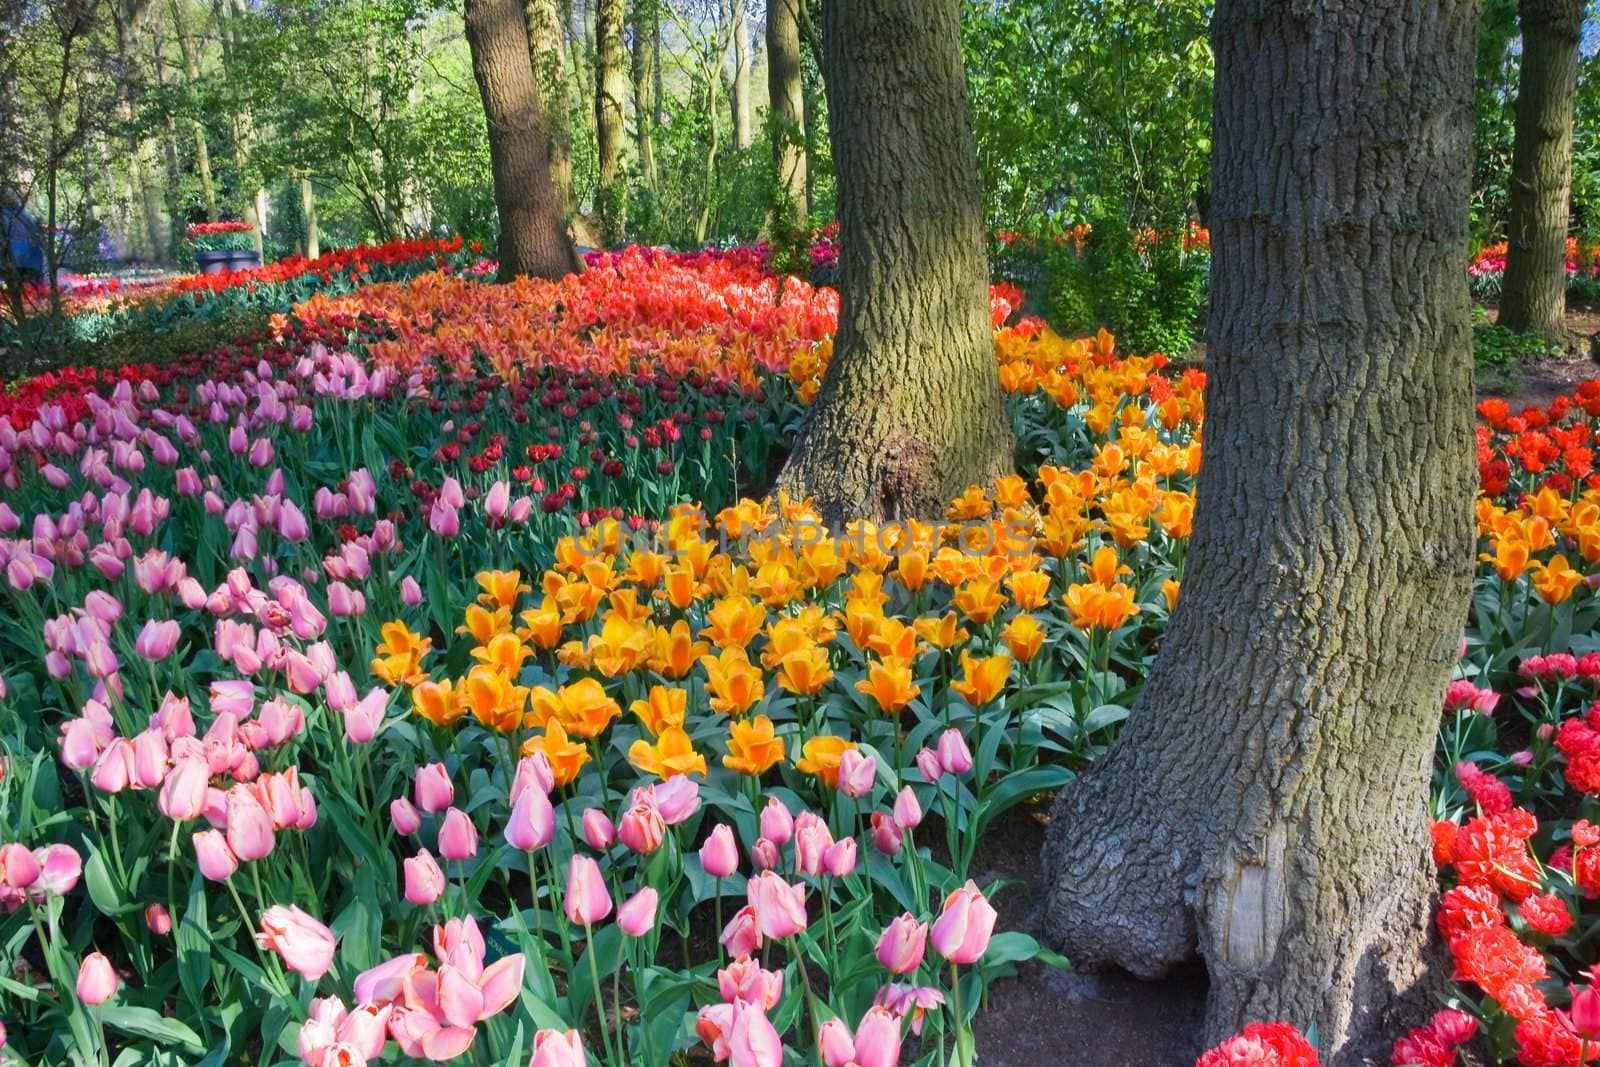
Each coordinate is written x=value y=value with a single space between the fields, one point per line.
x=308 y=209
x=533 y=240
x=548 y=52
x=788 y=104
x=1265 y=807
x=581 y=47
x=1535 y=295
x=191 y=74
x=610 y=105
x=172 y=186
x=646 y=39
x=739 y=90
x=909 y=412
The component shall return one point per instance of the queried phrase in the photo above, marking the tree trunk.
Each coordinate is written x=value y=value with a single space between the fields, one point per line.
x=1535 y=295
x=1265 y=807
x=788 y=105
x=739 y=90
x=610 y=104
x=909 y=412
x=533 y=240
x=547 y=50
x=191 y=74
x=308 y=209
x=646 y=40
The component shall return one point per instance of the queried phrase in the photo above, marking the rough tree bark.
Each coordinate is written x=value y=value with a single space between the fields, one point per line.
x=191 y=74
x=788 y=104
x=1535 y=295
x=646 y=21
x=610 y=104
x=308 y=212
x=547 y=50
x=909 y=412
x=533 y=240
x=1265 y=807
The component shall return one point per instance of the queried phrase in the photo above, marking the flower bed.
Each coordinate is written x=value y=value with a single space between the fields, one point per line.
x=1486 y=272
x=339 y=730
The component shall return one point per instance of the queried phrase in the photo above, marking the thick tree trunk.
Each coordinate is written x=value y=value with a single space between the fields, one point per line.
x=1535 y=295
x=909 y=412
x=739 y=88
x=646 y=41
x=533 y=240
x=1265 y=807
x=788 y=104
x=610 y=104
x=547 y=50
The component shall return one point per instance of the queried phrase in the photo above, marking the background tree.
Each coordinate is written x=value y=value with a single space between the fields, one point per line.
x=1535 y=296
x=547 y=49
x=533 y=240
x=646 y=25
x=909 y=412
x=610 y=106
x=786 y=93
x=1266 y=803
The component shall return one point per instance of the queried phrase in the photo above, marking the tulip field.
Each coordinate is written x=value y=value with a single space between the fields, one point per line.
x=433 y=679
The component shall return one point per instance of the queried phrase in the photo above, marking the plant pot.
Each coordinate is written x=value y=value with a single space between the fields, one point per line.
x=244 y=259
x=213 y=261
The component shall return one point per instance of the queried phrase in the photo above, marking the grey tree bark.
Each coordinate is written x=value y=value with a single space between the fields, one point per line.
x=547 y=50
x=533 y=239
x=739 y=85
x=610 y=107
x=1534 y=299
x=910 y=411
x=787 y=95
x=646 y=22
x=1265 y=808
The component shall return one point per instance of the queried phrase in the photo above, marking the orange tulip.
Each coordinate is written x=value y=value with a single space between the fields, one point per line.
x=1023 y=636
x=664 y=709
x=820 y=758
x=676 y=650
x=889 y=683
x=804 y=671
x=437 y=702
x=1554 y=581
x=733 y=621
x=735 y=685
x=982 y=679
x=753 y=746
x=672 y=754
x=566 y=758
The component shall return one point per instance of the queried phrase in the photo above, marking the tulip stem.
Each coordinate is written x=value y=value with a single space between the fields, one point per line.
x=964 y=1050
x=722 y=950
x=599 y=996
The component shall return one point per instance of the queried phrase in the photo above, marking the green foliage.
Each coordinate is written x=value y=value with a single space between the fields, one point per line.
x=1501 y=346
x=1090 y=108
x=104 y=341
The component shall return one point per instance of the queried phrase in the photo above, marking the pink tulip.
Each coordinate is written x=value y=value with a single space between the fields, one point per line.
x=719 y=855
x=497 y=503
x=744 y=979
x=443 y=519
x=532 y=772
x=641 y=829
x=907 y=812
x=156 y=640
x=217 y=861
x=18 y=868
x=404 y=816
x=532 y=822
x=233 y=697
x=857 y=773
x=597 y=829
x=59 y=869
x=742 y=935
x=387 y=981
x=157 y=919
x=433 y=789
x=557 y=1048
x=764 y=855
x=424 y=881
x=927 y=761
x=587 y=900
x=410 y=592
x=250 y=833
x=340 y=691
x=840 y=859
x=902 y=944
x=962 y=931
x=361 y=722
x=877 y=1041
x=676 y=799
x=753 y=1040
x=183 y=794
x=885 y=834
x=114 y=770
x=811 y=840
x=304 y=943
x=777 y=825
x=97 y=982
x=954 y=755
x=834 y=1042
x=458 y=837
x=780 y=907
x=637 y=915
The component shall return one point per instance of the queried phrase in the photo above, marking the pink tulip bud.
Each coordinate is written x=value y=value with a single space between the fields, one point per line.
x=637 y=915
x=838 y=1048
x=557 y=1048
x=458 y=838
x=839 y=861
x=404 y=816
x=764 y=854
x=954 y=755
x=216 y=859
x=597 y=829
x=857 y=773
x=114 y=770
x=97 y=982
x=641 y=828
x=878 y=1039
x=587 y=900
x=741 y=936
x=532 y=772
x=410 y=592
x=811 y=840
x=362 y=721
x=901 y=946
x=719 y=855
x=928 y=763
x=156 y=640
x=962 y=931
x=745 y=979
x=59 y=869
x=907 y=812
x=532 y=822
x=424 y=881
x=780 y=907
x=183 y=794
x=250 y=833
x=157 y=919
x=149 y=758
x=777 y=825
x=433 y=789
x=305 y=944
x=18 y=868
